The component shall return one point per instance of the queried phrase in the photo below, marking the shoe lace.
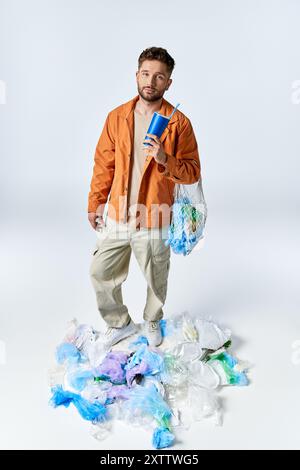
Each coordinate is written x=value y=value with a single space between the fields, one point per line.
x=153 y=325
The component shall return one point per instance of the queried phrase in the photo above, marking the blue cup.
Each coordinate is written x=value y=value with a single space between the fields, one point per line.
x=157 y=126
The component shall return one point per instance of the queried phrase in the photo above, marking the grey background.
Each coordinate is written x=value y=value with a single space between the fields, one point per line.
x=65 y=65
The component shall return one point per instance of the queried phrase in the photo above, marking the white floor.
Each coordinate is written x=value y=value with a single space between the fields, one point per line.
x=244 y=277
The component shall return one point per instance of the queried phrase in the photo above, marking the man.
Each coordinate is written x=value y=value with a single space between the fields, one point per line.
x=140 y=180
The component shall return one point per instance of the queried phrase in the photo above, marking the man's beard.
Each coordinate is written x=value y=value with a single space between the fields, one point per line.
x=150 y=97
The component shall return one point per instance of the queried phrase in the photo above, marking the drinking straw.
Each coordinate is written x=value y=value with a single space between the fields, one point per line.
x=174 y=110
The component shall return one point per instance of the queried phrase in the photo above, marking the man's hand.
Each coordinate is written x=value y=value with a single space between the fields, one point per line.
x=156 y=150
x=96 y=220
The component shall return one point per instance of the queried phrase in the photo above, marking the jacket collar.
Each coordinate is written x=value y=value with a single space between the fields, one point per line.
x=165 y=109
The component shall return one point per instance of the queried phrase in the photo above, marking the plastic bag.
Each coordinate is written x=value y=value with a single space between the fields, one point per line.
x=148 y=401
x=101 y=430
x=175 y=371
x=189 y=330
x=89 y=411
x=204 y=403
x=113 y=367
x=187 y=352
x=162 y=438
x=78 y=378
x=97 y=392
x=143 y=362
x=226 y=366
x=67 y=352
x=203 y=375
x=189 y=218
x=211 y=336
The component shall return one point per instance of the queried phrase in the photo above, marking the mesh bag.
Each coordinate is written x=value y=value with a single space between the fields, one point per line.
x=189 y=218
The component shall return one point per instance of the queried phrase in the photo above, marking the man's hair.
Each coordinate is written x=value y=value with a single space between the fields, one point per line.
x=157 y=53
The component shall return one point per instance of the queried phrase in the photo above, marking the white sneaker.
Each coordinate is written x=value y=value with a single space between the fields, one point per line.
x=113 y=335
x=154 y=335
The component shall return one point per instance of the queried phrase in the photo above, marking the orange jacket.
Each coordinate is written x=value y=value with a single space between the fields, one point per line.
x=112 y=166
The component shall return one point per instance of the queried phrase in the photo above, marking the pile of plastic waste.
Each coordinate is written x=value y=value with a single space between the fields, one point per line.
x=162 y=389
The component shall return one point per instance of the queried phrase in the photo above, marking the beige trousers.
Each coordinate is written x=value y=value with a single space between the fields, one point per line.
x=110 y=264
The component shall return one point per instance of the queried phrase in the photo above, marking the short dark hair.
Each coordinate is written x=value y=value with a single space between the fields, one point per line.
x=157 y=53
